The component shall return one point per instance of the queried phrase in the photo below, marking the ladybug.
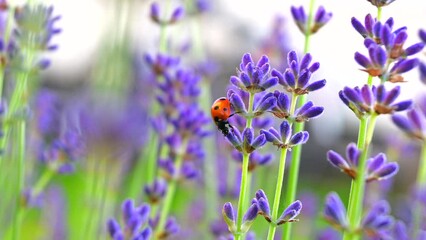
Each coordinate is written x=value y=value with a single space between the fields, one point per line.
x=221 y=111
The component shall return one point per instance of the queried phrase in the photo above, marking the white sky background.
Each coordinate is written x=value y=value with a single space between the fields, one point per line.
x=333 y=46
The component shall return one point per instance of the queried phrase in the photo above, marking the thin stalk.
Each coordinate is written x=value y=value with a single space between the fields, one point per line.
x=278 y=188
x=420 y=185
x=358 y=191
x=163 y=30
x=242 y=199
x=379 y=13
x=168 y=199
x=297 y=150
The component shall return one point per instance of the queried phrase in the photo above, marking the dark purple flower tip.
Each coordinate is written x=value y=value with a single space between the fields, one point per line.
x=312 y=112
x=292 y=58
x=262 y=62
x=229 y=215
x=266 y=104
x=367 y=95
x=290 y=213
x=248 y=135
x=264 y=208
x=245 y=61
x=134 y=224
x=369 y=22
x=299 y=138
x=353 y=154
x=422 y=70
x=285 y=131
x=337 y=160
x=43 y=64
x=156 y=191
x=316 y=85
x=237 y=82
x=304 y=63
x=321 y=16
x=334 y=210
x=362 y=60
x=298 y=14
x=303 y=79
x=289 y=78
x=279 y=76
x=271 y=136
x=188 y=171
x=404 y=65
x=113 y=227
x=261 y=194
x=144 y=211
x=401 y=106
x=379 y=208
x=352 y=95
x=387 y=37
x=237 y=103
x=415 y=48
x=314 y=67
x=387 y=171
x=259 y=141
x=269 y=83
x=155 y=12
x=422 y=35
x=177 y=14
x=250 y=214
x=359 y=27
x=235 y=138
x=377 y=162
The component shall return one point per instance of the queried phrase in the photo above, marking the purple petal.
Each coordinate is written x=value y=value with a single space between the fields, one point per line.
x=413 y=49
x=285 y=131
x=359 y=27
x=401 y=106
x=422 y=69
x=263 y=205
x=402 y=123
x=289 y=78
x=316 y=85
x=353 y=154
x=270 y=136
x=251 y=213
x=387 y=171
x=376 y=162
x=290 y=212
x=228 y=211
x=362 y=60
x=299 y=138
x=269 y=83
x=306 y=60
x=259 y=141
x=238 y=103
x=337 y=160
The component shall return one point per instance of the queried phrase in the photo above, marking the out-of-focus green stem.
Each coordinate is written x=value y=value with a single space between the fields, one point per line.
x=420 y=186
x=379 y=13
x=168 y=199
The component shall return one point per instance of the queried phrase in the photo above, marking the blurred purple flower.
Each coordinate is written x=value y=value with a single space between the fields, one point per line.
x=379 y=169
x=320 y=19
x=377 y=222
x=381 y=3
x=134 y=219
x=348 y=165
x=155 y=14
x=156 y=191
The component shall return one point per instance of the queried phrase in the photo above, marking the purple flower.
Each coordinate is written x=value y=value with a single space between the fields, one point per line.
x=134 y=220
x=249 y=217
x=422 y=70
x=377 y=222
x=161 y=63
x=262 y=205
x=372 y=29
x=400 y=231
x=253 y=77
x=369 y=100
x=228 y=214
x=155 y=14
x=308 y=111
x=246 y=142
x=290 y=213
x=295 y=79
x=335 y=211
x=320 y=19
x=379 y=169
x=348 y=165
x=284 y=138
x=413 y=124
x=422 y=35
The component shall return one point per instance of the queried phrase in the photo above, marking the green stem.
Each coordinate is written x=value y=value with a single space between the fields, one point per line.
x=370 y=80
x=297 y=150
x=242 y=199
x=168 y=199
x=163 y=30
x=278 y=188
x=420 y=185
x=379 y=13
x=358 y=190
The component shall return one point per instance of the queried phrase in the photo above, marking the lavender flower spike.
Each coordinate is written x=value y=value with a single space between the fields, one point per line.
x=263 y=205
x=320 y=19
x=413 y=125
x=290 y=213
x=254 y=77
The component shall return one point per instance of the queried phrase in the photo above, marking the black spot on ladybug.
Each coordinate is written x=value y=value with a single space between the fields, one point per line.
x=216 y=107
x=216 y=119
x=225 y=109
